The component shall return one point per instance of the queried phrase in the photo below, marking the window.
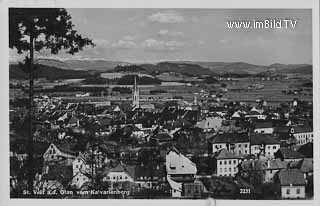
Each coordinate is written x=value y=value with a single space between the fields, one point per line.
x=288 y=191
x=234 y=162
x=229 y=162
x=225 y=162
x=220 y=170
x=229 y=169
x=120 y=177
x=274 y=147
x=220 y=162
x=298 y=190
x=239 y=145
x=225 y=169
x=245 y=145
x=125 y=177
x=235 y=169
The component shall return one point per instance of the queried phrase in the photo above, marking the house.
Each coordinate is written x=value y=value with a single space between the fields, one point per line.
x=179 y=167
x=289 y=155
x=225 y=163
x=82 y=170
x=264 y=127
x=263 y=144
x=209 y=124
x=56 y=153
x=237 y=143
x=292 y=184
x=302 y=133
x=120 y=173
x=179 y=170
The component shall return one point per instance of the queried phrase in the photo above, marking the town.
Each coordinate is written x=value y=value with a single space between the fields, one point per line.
x=134 y=142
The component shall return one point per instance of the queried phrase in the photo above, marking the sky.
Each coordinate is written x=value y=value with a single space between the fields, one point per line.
x=153 y=35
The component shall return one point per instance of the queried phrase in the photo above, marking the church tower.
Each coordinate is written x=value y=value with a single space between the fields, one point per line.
x=135 y=94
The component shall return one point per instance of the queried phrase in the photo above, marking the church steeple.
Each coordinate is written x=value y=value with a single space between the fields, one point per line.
x=135 y=94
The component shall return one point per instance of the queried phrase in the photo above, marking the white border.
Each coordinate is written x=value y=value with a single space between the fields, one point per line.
x=4 y=90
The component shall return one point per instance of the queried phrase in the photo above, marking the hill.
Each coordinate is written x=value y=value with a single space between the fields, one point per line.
x=49 y=72
x=81 y=64
x=190 y=68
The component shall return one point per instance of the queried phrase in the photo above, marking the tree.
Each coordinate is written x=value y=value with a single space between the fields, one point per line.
x=35 y=29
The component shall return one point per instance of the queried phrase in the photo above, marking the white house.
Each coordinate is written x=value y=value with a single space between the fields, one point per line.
x=177 y=164
x=226 y=163
x=292 y=184
x=302 y=134
x=121 y=173
x=179 y=169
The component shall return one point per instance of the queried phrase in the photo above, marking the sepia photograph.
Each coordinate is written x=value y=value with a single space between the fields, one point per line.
x=161 y=103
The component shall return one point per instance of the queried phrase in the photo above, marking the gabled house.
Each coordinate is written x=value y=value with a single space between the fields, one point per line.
x=292 y=184
x=120 y=173
x=56 y=153
x=179 y=167
x=210 y=123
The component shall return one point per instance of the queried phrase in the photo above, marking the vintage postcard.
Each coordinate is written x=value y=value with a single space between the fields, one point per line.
x=162 y=103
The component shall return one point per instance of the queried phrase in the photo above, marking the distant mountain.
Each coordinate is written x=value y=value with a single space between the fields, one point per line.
x=246 y=68
x=182 y=67
x=49 y=72
x=82 y=64
x=292 y=68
